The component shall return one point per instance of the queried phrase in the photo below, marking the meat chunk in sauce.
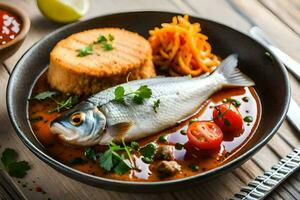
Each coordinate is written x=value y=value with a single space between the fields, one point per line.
x=167 y=168
x=164 y=153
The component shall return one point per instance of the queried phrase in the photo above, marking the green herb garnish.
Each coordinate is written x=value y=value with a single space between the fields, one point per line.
x=147 y=160
x=234 y=102
x=156 y=105
x=44 y=95
x=107 y=47
x=179 y=146
x=68 y=103
x=134 y=145
x=163 y=138
x=194 y=167
x=149 y=150
x=102 y=40
x=192 y=121
x=14 y=168
x=111 y=160
x=248 y=119
x=139 y=95
x=90 y=154
x=88 y=50
x=119 y=94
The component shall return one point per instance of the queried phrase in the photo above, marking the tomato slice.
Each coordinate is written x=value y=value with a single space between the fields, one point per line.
x=205 y=135
x=228 y=118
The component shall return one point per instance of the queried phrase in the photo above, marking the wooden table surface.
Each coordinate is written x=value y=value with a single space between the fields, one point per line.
x=280 y=19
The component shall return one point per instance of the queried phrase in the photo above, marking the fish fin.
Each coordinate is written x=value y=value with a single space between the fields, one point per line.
x=233 y=76
x=119 y=130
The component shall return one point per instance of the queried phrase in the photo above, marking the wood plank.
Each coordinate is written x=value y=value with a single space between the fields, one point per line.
x=287 y=11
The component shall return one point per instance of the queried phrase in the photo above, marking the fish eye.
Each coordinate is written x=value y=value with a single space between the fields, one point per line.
x=77 y=119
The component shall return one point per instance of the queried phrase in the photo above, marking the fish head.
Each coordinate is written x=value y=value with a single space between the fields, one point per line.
x=82 y=125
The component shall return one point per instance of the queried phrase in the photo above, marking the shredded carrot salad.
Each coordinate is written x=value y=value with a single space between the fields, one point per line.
x=180 y=48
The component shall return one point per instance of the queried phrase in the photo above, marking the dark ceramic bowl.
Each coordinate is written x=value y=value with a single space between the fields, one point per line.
x=12 y=46
x=270 y=77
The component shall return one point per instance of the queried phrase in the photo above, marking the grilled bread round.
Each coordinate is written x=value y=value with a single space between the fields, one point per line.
x=84 y=75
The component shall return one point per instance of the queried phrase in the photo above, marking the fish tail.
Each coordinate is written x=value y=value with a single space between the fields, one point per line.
x=233 y=76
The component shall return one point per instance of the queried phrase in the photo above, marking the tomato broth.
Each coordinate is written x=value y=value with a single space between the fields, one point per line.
x=40 y=119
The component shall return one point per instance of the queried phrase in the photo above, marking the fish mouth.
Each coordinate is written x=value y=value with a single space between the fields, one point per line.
x=62 y=132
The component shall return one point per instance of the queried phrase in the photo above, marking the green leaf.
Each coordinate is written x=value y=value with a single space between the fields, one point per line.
x=248 y=119
x=134 y=145
x=111 y=37
x=119 y=94
x=45 y=95
x=234 y=102
x=90 y=154
x=66 y=104
x=85 y=51
x=106 y=160
x=163 y=138
x=148 y=150
x=144 y=92
x=107 y=47
x=156 y=105
x=121 y=165
x=18 y=169
x=102 y=39
x=8 y=156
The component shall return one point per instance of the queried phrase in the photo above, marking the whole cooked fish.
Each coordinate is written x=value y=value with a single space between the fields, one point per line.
x=100 y=119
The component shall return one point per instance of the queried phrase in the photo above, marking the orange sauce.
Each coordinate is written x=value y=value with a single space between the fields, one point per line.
x=230 y=145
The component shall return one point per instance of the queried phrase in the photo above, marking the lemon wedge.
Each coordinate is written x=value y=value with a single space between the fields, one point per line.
x=63 y=11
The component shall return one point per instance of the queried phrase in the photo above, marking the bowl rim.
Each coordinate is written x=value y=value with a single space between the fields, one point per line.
x=22 y=15
x=91 y=179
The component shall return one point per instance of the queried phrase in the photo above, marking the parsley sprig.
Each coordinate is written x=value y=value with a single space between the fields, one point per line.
x=14 y=168
x=142 y=93
x=105 y=42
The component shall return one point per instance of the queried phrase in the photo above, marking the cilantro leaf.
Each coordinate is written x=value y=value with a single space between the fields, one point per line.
x=84 y=51
x=142 y=93
x=148 y=150
x=45 y=95
x=122 y=166
x=8 y=156
x=156 y=105
x=18 y=169
x=119 y=94
x=106 y=160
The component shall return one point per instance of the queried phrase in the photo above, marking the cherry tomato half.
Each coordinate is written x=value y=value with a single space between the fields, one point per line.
x=205 y=135
x=228 y=118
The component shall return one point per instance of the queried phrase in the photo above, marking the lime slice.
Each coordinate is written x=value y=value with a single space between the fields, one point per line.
x=63 y=11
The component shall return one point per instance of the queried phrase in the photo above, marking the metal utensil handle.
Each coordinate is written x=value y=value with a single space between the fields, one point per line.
x=261 y=186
